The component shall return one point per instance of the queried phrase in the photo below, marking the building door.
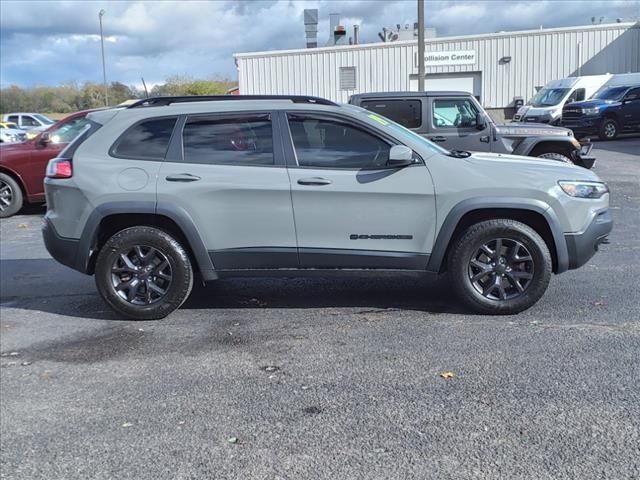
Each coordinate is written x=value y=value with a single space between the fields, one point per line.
x=462 y=82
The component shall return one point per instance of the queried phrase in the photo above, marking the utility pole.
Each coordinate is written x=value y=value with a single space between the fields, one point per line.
x=421 y=45
x=104 y=69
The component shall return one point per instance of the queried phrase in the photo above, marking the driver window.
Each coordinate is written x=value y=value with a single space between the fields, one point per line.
x=576 y=96
x=228 y=141
x=633 y=94
x=29 y=122
x=328 y=144
x=454 y=113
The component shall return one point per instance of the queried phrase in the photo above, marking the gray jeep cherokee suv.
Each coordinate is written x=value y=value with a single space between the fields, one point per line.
x=149 y=196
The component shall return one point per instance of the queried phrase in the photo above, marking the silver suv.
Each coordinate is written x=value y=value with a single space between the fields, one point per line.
x=152 y=196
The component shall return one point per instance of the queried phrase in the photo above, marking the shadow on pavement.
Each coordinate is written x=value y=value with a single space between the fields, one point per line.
x=627 y=144
x=46 y=286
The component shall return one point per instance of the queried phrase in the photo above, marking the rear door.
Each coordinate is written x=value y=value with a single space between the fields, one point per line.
x=228 y=175
x=452 y=124
x=351 y=210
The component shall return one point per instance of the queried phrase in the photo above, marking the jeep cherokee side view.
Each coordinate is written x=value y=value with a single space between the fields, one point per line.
x=149 y=196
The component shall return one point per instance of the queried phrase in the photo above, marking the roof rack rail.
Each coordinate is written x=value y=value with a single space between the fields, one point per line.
x=163 y=101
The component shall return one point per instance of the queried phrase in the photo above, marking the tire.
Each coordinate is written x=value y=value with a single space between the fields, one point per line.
x=468 y=254
x=556 y=156
x=608 y=130
x=156 y=263
x=11 y=197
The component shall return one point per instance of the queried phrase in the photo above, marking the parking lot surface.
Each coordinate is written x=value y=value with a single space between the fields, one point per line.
x=325 y=378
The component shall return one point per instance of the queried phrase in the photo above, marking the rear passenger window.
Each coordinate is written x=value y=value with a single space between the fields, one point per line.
x=13 y=118
x=407 y=113
x=147 y=140
x=228 y=141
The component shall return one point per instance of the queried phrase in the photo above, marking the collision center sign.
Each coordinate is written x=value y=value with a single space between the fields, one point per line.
x=458 y=57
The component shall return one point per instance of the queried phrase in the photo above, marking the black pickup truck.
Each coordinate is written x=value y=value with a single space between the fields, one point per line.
x=457 y=121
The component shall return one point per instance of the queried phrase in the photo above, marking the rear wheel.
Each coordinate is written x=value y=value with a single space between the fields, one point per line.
x=11 y=197
x=143 y=273
x=608 y=129
x=500 y=267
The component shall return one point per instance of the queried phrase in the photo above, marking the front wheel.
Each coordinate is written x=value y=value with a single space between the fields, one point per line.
x=143 y=273
x=556 y=156
x=608 y=129
x=11 y=197
x=500 y=267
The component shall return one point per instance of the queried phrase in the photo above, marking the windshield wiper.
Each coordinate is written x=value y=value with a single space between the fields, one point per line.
x=459 y=153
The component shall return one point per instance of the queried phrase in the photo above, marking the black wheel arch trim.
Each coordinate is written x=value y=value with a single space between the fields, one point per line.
x=482 y=203
x=529 y=144
x=89 y=238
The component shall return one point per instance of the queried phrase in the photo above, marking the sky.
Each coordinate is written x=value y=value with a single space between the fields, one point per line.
x=51 y=42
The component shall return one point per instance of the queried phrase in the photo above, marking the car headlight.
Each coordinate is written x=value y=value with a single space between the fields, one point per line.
x=584 y=189
x=591 y=111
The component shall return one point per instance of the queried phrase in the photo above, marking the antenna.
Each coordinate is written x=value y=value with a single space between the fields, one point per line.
x=146 y=92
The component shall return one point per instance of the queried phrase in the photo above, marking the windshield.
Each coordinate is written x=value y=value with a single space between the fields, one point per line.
x=403 y=132
x=43 y=119
x=613 y=93
x=548 y=97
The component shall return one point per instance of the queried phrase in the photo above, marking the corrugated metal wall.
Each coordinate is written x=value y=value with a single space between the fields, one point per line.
x=537 y=56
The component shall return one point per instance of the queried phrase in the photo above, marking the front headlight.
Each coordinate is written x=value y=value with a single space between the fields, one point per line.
x=591 y=111
x=584 y=189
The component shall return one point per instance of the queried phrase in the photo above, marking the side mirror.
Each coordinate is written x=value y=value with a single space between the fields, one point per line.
x=44 y=139
x=481 y=122
x=400 y=156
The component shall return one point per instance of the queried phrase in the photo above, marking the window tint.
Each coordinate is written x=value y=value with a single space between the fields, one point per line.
x=634 y=94
x=67 y=132
x=29 y=122
x=228 y=141
x=455 y=112
x=148 y=140
x=407 y=113
x=88 y=129
x=329 y=144
x=576 y=96
x=13 y=118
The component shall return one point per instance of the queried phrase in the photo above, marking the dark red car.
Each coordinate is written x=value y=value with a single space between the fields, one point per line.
x=22 y=165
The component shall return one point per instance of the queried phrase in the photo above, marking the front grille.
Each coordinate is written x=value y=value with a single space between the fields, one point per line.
x=531 y=119
x=571 y=114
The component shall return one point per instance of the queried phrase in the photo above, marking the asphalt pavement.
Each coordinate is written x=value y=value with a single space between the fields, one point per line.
x=337 y=378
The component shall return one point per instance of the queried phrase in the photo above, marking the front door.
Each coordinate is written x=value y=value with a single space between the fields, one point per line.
x=228 y=174
x=630 y=110
x=452 y=125
x=351 y=210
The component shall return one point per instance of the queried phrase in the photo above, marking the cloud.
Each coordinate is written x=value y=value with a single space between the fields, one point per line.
x=51 y=42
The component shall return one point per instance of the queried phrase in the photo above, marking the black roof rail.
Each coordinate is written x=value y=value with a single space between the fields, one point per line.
x=163 y=101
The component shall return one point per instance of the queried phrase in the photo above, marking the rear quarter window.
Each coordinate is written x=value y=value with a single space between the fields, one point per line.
x=407 y=113
x=146 y=140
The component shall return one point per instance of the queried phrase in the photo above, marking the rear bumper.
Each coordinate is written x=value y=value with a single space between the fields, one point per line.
x=581 y=247
x=64 y=250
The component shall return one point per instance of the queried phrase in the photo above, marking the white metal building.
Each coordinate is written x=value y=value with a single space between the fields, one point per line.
x=495 y=67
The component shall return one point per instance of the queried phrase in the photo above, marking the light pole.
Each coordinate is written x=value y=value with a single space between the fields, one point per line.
x=104 y=70
x=421 y=45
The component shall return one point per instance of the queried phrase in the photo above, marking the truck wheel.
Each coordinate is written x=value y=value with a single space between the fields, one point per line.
x=500 y=267
x=608 y=129
x=143 y=273
x=556 y=156
x=11 y=197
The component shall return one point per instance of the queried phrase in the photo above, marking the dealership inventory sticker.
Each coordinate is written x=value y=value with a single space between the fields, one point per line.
x=378 y=119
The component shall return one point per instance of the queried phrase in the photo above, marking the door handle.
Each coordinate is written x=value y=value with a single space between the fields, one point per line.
x=439 y=138
x=182 y=177
x=484 y=138
x=314 y=181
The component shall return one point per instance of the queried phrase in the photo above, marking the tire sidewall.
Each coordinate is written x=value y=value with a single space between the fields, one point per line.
x=555 y=156
x=182 y=273
x=608 y=121
x=469 y=245
x=17 y=197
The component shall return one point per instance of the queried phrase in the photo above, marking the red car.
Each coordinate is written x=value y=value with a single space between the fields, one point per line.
x=22 y=165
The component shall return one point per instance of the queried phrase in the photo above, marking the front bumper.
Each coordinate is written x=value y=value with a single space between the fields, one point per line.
x=583 y=126
x=582 y=246
x=583 y=156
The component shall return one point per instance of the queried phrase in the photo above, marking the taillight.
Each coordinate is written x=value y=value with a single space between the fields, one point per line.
x=59 y=168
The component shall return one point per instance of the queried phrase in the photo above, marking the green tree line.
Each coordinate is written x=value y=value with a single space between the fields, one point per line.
x=72 y=96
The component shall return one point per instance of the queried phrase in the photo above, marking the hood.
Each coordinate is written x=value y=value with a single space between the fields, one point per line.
x=11 y=149
x=537 y=111
x=588 y=104
x=532 y=165
x=517 y=129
